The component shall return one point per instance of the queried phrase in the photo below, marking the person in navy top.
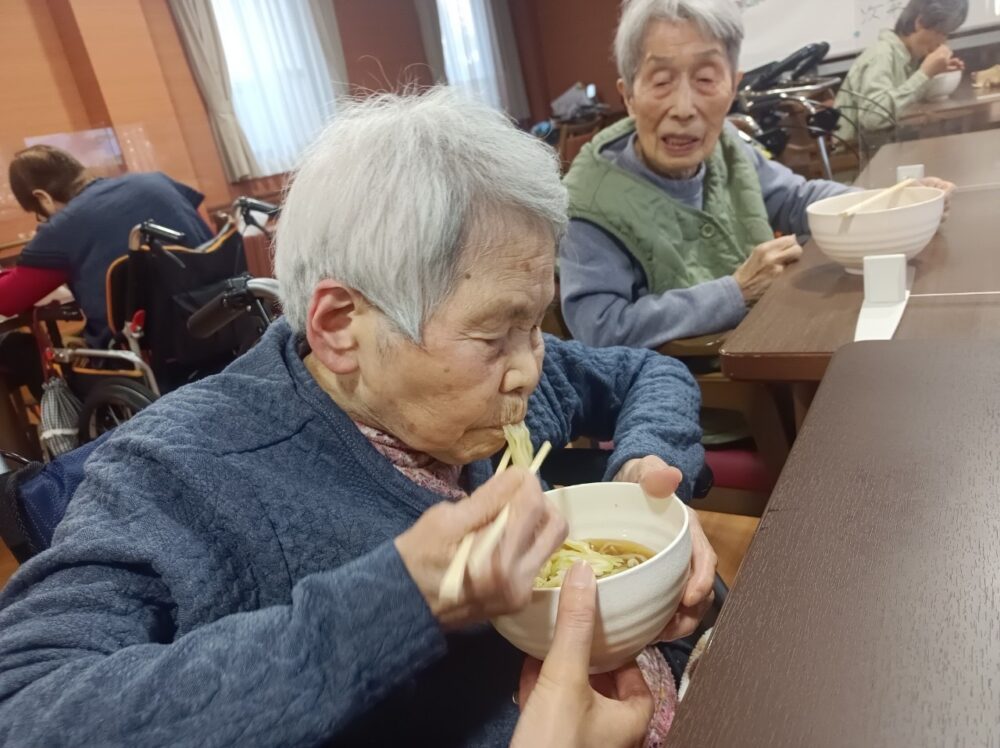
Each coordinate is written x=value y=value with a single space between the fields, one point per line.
x=84 y=223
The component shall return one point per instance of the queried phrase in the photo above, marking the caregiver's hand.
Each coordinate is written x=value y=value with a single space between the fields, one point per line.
x=560 y=706
x=534 y=531
x=660 y=480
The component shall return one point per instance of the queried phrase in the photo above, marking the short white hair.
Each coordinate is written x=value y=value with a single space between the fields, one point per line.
x=385 y=200
x=716 y=19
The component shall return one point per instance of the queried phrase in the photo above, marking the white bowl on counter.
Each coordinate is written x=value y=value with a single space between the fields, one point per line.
x=944 y=85
x=634 y=605
x=901 y=223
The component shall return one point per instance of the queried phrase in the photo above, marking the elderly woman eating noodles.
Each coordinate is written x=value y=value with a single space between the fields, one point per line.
x=256 y=558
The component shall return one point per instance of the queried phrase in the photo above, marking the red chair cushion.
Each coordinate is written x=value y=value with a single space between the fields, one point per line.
x=741 y=469
x=738 y=468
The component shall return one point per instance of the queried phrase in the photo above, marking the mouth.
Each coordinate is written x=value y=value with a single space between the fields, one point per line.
x=513 y=413
x=680 y=145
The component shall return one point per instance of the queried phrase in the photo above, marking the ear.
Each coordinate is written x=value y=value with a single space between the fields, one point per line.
x=919 y=24
x=626 y=96
x=333 y=326
x=45 y=200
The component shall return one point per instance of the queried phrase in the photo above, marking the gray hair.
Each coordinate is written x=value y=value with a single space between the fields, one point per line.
x=945 y=16
x=388 y=196
x=716 y=19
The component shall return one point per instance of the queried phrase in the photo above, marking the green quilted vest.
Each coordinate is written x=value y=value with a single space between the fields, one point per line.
x=677 y=246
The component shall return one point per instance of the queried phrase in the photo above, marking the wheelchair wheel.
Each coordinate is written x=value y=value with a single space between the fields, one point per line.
x=110 y=404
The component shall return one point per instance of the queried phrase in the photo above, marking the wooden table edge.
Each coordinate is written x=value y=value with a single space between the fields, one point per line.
x=774 y=367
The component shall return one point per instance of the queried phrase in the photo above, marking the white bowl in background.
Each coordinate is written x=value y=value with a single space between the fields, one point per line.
x=902 y=223
x=634 y=605
x=944 y=85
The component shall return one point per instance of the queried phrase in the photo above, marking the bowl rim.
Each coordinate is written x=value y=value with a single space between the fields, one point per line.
x=939 y=195
x=683 y=531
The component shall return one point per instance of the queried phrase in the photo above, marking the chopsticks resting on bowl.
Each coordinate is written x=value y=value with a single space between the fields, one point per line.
x=451 y=583
x=855 y=209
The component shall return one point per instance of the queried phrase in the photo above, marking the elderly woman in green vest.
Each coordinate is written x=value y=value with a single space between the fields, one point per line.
x=895 y=72
x=673 y=217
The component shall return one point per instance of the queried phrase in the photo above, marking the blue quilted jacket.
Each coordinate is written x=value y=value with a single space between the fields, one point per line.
x=225 y=574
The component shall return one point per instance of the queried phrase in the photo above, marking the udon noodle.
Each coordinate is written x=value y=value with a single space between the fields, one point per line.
x=519 y=443
x=606 y=558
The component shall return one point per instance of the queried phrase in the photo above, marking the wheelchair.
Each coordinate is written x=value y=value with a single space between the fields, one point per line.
x=152 y=292
x=788 y=109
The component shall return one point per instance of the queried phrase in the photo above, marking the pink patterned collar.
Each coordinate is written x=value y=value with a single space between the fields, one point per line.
x=427 y=472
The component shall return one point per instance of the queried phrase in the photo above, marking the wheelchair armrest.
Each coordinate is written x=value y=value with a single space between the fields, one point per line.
x=150 y=231
x=252 y=204
x=56 y=312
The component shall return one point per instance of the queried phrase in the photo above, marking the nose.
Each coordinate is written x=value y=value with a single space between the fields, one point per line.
x=682 y=102
x=523 y=372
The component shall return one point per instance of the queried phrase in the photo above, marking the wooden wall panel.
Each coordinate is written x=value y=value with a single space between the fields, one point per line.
x=529 y=47
x=575 y=38
x=39 y=91
x=40 y=95
x=121 y=50
x=187 y=102
x=382 y=44
x=74 y=52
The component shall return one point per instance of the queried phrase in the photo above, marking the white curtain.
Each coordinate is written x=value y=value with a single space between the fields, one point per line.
x=286 y=68
x=480 y=53
x=203 y=45
x=430 y=33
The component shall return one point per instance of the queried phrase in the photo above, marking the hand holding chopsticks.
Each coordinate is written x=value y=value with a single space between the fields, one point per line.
x=534 y=530
x=467 y=557
x=491 y=537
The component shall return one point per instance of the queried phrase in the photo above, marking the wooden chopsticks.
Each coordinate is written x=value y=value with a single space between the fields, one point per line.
x=451 y=583
x=855 y=209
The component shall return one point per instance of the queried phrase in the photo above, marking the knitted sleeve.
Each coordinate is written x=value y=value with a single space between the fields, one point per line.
x=94 y=649
x=646 y=403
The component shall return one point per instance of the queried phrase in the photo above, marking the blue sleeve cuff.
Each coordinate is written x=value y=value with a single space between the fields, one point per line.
x=734 y=303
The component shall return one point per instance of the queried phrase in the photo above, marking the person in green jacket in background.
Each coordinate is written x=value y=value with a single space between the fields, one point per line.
x=895 y=72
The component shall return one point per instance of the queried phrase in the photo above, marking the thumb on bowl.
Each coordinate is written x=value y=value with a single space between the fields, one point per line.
x=568 y=660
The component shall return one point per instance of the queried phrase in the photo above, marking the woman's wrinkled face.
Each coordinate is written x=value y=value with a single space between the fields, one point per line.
x=480 y=358
x=680 y=97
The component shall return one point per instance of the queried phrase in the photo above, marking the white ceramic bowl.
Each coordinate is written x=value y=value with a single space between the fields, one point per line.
x=944 y=85
x=634 y=605
x=903 y=223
